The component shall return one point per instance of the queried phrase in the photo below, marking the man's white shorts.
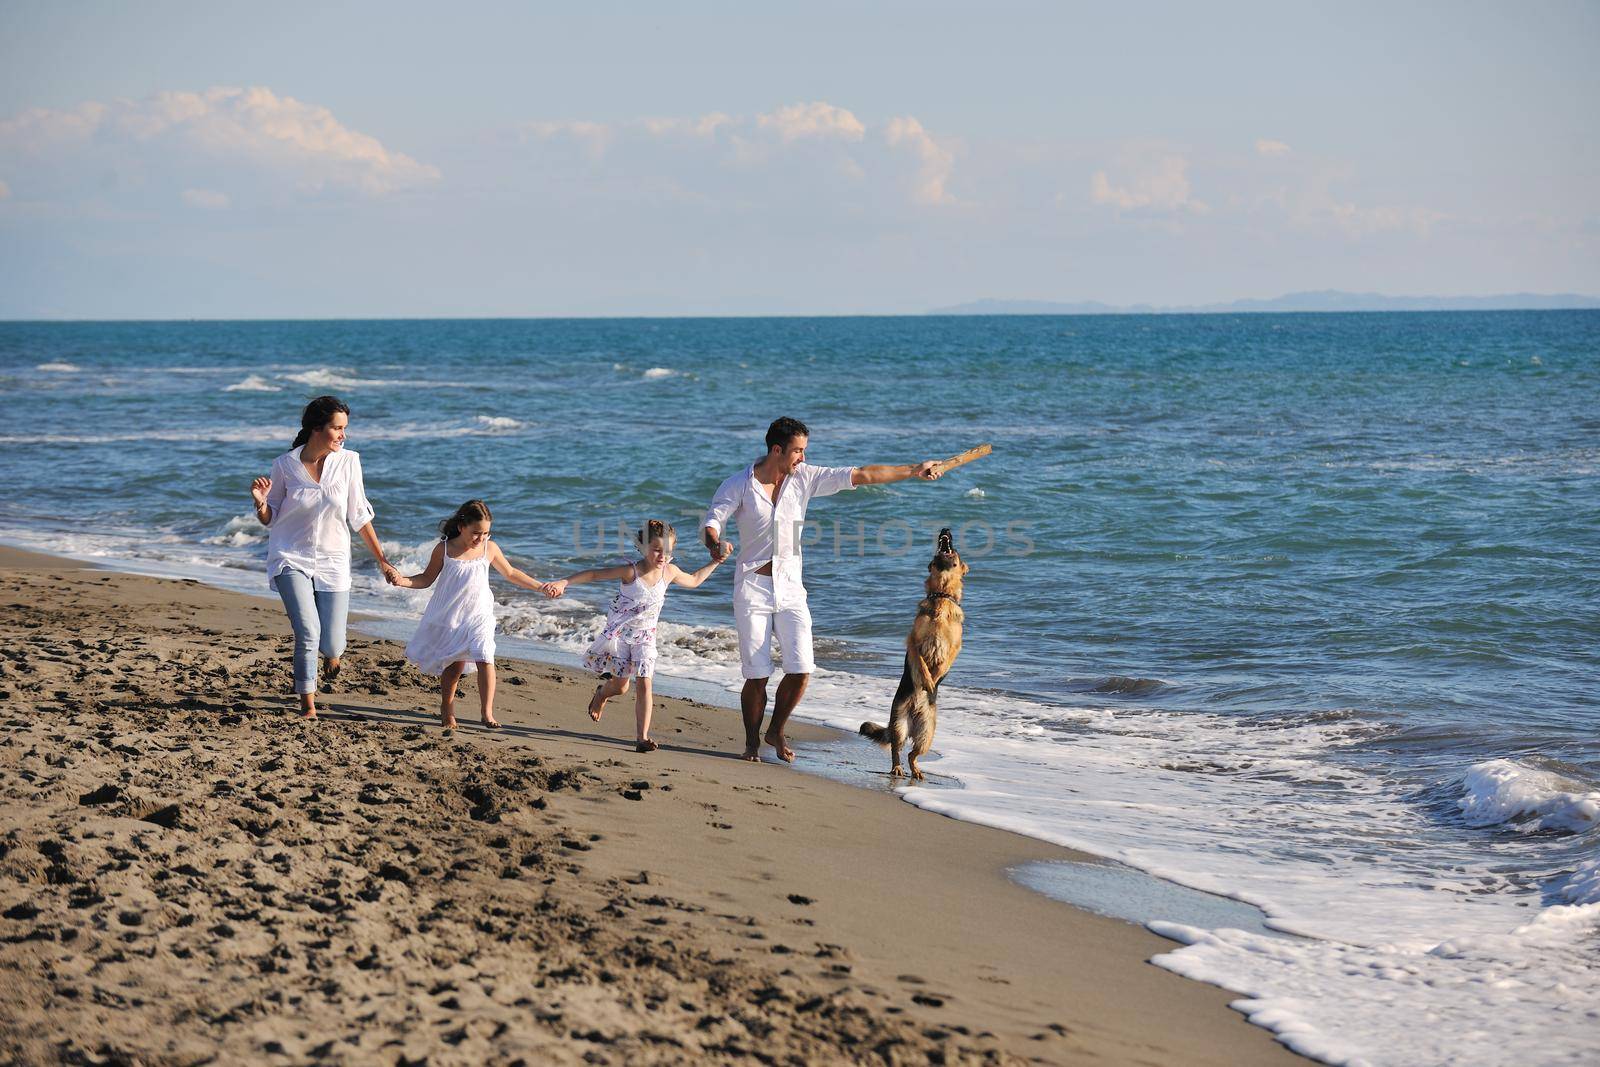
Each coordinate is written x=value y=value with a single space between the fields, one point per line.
x=756 y=616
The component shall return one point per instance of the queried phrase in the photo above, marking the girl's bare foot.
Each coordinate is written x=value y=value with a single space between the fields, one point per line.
x=448 y=683
x=595 y=710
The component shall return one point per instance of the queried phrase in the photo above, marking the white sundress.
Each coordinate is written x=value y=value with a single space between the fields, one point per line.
x=626 y=647
x=458 y=624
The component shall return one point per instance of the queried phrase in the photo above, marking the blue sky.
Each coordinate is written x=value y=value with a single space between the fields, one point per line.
x=231 y=160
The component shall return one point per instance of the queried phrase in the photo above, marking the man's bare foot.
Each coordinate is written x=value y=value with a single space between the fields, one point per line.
x=596 y=711
x=751 y=755
x=784 y=752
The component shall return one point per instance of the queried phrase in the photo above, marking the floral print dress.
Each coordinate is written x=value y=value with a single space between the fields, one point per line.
x=626 y=647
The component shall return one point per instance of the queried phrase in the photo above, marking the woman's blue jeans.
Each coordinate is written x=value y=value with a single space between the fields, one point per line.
x=318 y=620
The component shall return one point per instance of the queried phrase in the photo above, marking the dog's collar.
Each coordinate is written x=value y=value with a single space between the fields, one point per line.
x=944 y=596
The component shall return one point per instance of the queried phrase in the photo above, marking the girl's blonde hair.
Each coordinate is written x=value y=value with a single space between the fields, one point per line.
x=471 y=511
x=653 y=529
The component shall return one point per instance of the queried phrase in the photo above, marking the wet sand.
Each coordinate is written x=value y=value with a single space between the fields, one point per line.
x=191 y=874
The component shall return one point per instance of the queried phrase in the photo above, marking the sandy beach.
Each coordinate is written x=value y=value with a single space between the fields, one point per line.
x=190 y=874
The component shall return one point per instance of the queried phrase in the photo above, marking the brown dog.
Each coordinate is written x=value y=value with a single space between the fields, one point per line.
x=931 y=650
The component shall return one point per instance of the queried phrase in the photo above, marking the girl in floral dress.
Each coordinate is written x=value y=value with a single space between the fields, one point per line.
x=624 y=654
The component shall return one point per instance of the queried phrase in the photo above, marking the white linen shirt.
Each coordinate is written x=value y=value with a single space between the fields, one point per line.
x=769 y=530
x=311 y=521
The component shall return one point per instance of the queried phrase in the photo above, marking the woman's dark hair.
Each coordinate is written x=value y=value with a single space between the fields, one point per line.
x=784 y=430
x=318 y=414
x=471 y=511
x=653 y=529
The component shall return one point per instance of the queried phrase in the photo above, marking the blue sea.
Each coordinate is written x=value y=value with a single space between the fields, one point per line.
x=1300 y=610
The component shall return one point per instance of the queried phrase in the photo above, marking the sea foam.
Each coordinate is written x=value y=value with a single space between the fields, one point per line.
x=325 y=378
x=499 y=423
x=1504 y=792
x=241 y=531
x=253 y=384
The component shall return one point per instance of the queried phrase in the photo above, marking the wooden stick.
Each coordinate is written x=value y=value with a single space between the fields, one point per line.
x=945 y=466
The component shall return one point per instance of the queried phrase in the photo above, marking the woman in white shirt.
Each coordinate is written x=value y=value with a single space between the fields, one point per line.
x=309 y=504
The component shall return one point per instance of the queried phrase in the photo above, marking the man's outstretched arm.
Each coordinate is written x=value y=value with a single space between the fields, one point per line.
x=882 y=473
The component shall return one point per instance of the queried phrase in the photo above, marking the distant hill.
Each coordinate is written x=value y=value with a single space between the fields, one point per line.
x=1322 y=300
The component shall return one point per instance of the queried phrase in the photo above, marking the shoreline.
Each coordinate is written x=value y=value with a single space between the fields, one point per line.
x=831 y=919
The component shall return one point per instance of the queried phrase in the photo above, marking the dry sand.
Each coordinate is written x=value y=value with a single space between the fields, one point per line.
x=190 y=874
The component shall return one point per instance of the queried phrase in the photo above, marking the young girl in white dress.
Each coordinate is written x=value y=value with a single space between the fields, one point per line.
x=456 y=634
x=625 y=651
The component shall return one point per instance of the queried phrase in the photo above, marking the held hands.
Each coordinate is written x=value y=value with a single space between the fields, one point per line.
x=928 y=470
x=722 y=552
x=553 y=590
x=392 y=575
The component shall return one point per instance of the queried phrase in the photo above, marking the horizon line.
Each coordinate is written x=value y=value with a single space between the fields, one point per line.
x=1111 y=314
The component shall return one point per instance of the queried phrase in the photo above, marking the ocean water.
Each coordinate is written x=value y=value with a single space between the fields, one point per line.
x=1301 y=610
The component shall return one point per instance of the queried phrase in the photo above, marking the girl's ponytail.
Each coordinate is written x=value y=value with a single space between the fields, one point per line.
x=653 y=529
x=471 y=511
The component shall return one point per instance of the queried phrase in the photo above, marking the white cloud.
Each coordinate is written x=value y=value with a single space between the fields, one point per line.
x=812 y=120
x=280 y=137
x=1266 y=147
x=206 y=199
x=5 y=191
x=38 y=129
x=795 y=158
x=1322 y=200
x=1160 y=185
x=594 y=137
x=704 y=126
x=1357 y=221
x=935 y=161
x=597 y=137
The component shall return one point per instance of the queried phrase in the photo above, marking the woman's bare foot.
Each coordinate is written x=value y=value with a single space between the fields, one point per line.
x=448 y=722
x=645 y=745
x=330 y=667
x=751 y=755
x=308 y=705
x=784 y=752
x=595 y=710
x=491 y=722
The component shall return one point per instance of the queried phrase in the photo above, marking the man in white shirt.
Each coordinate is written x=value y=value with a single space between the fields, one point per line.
x=769 y=498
